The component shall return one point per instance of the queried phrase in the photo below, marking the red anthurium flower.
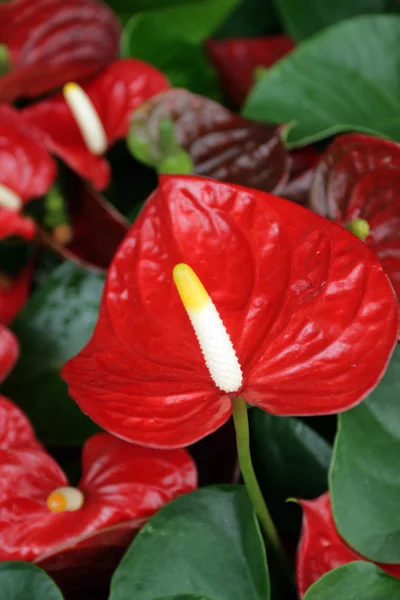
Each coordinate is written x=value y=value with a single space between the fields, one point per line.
x=16 y=432
x=237 y=60
x=357 y=184
x=80 y=124
x=14 y=294
x=9 y=351
x=50 y=42
x=295 y=315
x=321 y=549
x=122 y=485
x=26 y=171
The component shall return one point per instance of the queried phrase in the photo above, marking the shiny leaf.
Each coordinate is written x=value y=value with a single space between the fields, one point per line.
x=358 y=178
x=293 y=290
x=115 y=93
x=358 y=580
x=189 y=548
x=321 y=549
x=56 y=323
x=51 y=42
x=365 y=472
x=22 y=581
x=221 y=144
x=245 y=19
x=311 y=85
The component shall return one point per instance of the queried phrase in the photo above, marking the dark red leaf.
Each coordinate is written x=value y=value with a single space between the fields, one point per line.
x=358 y=178
x=14 y=294
x=115 y=94
x=122 y=485
x=9 y=351
x=97 y=227
x=293 y=290
x=321 y=549
x=15 y=429
x=221 y=144
x=237 y=59
x=301 y=173
x=51 y=42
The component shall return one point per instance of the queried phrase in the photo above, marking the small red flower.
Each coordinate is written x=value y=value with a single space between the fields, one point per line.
x=237 y=60
x=9 y=351
x=26 y=171
x=51 y=42
x=14 y=294
x=359 y=178
x=321 y=549
x=16 y=432
x=121 y=487
x=98 y=114
x=309 y=320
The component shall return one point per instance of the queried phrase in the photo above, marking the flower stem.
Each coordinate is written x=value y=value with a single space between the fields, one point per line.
x=241 y=421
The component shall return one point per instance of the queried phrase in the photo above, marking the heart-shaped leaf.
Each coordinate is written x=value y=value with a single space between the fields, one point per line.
x=221 y=144
x=344 y=78
x=23 y=581
x=365 y=475
x=358 y=580
x=206 y=544
x=291 y=460
x=55 y=324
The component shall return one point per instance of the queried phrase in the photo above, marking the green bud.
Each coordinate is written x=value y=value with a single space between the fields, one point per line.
x=360 y=228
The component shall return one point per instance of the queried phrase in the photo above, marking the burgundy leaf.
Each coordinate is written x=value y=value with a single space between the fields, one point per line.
x=302 y=167
x=222 y=145
x=51 y=42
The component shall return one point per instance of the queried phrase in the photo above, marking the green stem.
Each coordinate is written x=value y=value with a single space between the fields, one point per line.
x=241 y=421
x=4 y=60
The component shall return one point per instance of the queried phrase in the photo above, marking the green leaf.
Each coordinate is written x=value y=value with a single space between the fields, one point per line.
x=290 y=460
x=303 y=19
x=205 y=544
x=355 y=581
x=365 y=474
x=166 y=46
x=53 y=327
x=245 y=20
x=24 y=581
x=344 y=78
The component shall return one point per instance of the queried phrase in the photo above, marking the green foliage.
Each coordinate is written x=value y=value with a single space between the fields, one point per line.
x=23 y=581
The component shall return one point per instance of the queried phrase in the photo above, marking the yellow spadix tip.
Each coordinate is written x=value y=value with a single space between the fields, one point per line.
x=70 y=87
x=57 y=502
x=190 y=289
x=65 y=499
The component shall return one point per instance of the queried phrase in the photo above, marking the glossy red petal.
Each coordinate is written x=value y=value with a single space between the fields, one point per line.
x=311 y=315
x=14 y=294
x=359 y=177
x=97 y=227
x=222 y=144
x=321 y=549
x=121 y=484
x=115 y=94
x=9 y=351
x=26 y=167
x=15 y=429
x=51 y=42
x=237 y=59
x=14 y=223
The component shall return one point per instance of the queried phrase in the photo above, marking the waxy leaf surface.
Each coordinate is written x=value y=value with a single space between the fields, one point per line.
x=312 y=87
x=23 y=581
x=359 y=178
x=221 y=144
x=194 y=543
x=321 y=549
x=294 y=292
x=237 y=60
x=358 y=580
x=115 y=93
x=51 y=42
x=365 y=472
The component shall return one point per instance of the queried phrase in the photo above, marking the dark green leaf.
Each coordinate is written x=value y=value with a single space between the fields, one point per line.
x=23 y=581
x=355 y=581
x=53 y=327
x=167 y=47
x=250 y=19
x=344 y=78
x=303 y=19
x=365 y=475
x=291 y=460
x=206 y=544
